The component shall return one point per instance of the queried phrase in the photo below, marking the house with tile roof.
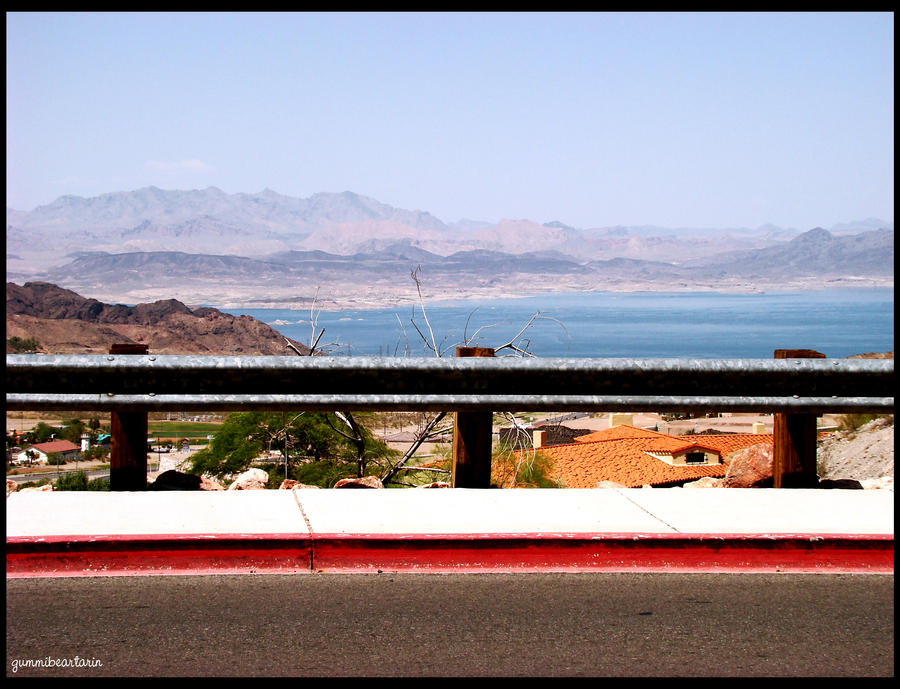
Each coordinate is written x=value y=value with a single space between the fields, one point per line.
x=635 y=457
x=40 y=452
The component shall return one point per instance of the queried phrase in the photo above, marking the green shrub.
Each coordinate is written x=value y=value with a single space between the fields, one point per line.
x=98 y=484
x=19 y=345
x=74 y=480
x=34 y=484
x=78 y=480
x=522 y=469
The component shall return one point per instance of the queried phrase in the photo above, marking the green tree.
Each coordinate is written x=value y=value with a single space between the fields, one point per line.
x=233 y=447
x=300 y=438
x=19 y=345
x=365 y=448
x=42 y=432
x=95 y=452
x=72 y=431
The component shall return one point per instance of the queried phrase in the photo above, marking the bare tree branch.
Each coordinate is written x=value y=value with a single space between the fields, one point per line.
x=405 y=338
x=296 y=351
x=415 y=276
x=513 y=343
x=468 y=340
x=520 y=451
x=414 y=447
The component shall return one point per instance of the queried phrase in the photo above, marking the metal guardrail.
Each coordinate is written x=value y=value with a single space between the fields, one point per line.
x=223 y=383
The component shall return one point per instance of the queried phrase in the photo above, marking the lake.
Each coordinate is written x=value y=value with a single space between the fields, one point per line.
x=837 y=322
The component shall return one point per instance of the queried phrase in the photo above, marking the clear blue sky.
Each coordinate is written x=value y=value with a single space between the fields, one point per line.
x=677 y=120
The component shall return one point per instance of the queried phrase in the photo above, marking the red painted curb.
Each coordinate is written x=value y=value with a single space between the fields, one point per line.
x=66 y=556
x=604 y=553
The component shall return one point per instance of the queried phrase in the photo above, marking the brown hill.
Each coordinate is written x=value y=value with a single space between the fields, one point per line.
x=63 y=322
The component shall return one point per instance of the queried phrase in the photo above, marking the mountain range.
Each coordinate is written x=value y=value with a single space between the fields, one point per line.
x=206 y=246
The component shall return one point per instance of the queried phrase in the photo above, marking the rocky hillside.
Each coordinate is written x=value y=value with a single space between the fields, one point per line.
x=865 y=454
x=63 y=322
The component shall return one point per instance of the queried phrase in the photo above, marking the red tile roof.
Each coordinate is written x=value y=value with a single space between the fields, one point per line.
x=620 y=454
x=56 y=446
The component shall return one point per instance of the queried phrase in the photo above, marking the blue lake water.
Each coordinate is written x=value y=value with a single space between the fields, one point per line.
x=837 y=322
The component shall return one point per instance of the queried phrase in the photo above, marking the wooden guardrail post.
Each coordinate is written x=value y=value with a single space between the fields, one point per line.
x=795 y=439
x=472 y=431
x=128 y=439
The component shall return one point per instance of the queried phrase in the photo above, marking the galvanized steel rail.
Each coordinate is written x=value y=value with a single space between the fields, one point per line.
x=223 y=383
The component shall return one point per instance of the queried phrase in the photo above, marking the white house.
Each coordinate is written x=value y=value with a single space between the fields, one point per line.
x=40 y=452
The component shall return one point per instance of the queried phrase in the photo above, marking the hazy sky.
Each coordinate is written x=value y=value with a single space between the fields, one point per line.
x=677 y=120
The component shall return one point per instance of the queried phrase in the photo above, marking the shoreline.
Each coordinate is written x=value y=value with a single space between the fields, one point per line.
x=341 y=296
x=437 y=298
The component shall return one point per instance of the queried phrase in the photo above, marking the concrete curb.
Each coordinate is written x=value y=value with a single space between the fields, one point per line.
x=82 y=533
x=203 y=554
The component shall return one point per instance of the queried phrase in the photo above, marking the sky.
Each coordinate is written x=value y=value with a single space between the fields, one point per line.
x=591 y=119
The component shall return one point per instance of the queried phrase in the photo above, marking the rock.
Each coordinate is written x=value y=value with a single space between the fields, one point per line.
x=364 y=482
x=11 y=487
x=210 y=484
x=881 y=483
x=706 y=482
x=175 y=480
x=291 y=484
x=36 y=489
x=850 y=483
x=436 y=484
x=252 y=479
x=751 y=467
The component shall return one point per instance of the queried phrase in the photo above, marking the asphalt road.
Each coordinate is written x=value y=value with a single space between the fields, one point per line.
x=36 y=476
x=453 y=625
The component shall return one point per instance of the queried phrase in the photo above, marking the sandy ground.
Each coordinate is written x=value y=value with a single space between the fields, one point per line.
x=168 y=461
x=19 y=424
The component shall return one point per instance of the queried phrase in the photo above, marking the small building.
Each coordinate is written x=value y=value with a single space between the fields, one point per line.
x=40 y=452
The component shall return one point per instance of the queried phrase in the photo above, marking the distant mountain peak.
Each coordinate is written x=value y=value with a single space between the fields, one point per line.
x=556 y=224
x=816 y=234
